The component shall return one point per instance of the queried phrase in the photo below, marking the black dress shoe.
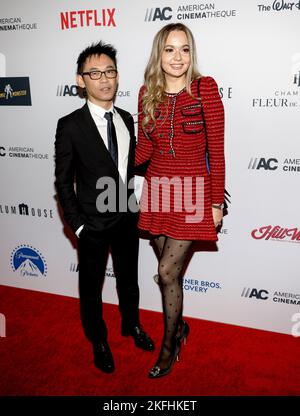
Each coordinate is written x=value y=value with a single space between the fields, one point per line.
x=141 y=339
x=103 y=358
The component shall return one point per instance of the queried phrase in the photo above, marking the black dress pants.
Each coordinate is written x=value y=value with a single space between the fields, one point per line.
x=93 y=247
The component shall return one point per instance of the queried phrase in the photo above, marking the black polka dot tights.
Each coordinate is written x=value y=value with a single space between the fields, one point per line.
x=172 y=254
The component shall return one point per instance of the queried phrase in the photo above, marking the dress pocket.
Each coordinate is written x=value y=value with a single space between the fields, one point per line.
x=191 y=110
x=192 y=127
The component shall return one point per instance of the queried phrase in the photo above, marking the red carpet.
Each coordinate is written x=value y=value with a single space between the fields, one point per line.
x=45 y=353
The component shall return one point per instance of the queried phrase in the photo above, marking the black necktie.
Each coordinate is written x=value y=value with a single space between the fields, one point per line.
x=112 y=137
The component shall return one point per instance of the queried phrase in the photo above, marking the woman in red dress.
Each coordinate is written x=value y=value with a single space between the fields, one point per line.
x=181 y=118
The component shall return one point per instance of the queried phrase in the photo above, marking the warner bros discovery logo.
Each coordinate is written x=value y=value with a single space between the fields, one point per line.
x=27 y=261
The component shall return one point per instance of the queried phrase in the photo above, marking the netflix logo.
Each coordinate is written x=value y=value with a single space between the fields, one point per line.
x=87 y=18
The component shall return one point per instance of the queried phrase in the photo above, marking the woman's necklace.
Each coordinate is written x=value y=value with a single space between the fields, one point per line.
x=173 y=98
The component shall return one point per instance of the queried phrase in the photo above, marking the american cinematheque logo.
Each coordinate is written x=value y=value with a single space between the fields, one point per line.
x=288 y=164
x=87 y=18
x=15 y=91
x=15 y=23
x=278 y=296
x=201 y=11
x=109 y=272
x=72 y=90
x=23 y=152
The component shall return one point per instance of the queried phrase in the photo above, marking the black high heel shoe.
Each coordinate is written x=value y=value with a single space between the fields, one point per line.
x=157 y=371
x=184 y=332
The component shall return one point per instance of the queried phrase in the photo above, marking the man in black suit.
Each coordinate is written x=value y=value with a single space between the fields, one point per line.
x=95 y=147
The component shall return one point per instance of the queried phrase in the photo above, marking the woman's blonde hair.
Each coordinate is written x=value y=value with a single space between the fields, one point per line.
x=154 y=78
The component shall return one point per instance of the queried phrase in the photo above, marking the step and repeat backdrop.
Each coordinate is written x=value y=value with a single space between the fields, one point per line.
x=252 y=276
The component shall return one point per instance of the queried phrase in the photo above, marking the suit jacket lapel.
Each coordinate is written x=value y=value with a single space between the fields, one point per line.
x=92 y=136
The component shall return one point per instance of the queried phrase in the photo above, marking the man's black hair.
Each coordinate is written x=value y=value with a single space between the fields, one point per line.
x=96 y=49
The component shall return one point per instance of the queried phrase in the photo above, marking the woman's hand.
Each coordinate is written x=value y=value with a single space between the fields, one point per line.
x=217 y=216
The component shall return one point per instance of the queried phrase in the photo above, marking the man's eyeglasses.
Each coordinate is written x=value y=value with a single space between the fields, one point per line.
x=109 y=73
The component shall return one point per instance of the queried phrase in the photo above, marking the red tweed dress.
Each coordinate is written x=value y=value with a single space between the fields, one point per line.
x=178 y=190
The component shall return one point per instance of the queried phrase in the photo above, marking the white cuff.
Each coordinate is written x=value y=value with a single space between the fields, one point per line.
x=79 y=230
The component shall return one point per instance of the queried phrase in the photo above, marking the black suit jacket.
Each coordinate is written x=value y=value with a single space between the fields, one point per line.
x=81 y=155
